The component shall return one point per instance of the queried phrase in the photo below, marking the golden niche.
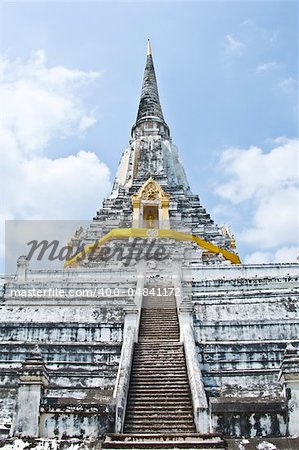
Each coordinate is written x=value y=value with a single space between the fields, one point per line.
x=150 y=206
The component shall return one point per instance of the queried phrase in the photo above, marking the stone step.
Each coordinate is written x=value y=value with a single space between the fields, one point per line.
x=161 y=428
x=164 y=314
x=172 y=401
x=171 y=310
x=181 y=406
x=169 y=335
x=159 y=346
x=170 y=347
x=164 y=320
x=159 y=403
x=150 y=368
x=159 y=374
x=164 y=368
x=140 y=385
x=166 y=396
x=167 y=309
x=162 y=339
x=144 y=354
x=198 y=437
x=163 y=445
x=146 y=338
x=165 y=323
x=161 y=363
x=157 y=441
x=170 y=387
x=147 y=369
x=156 y=311
x=148 y=350
x=157 y=396
x=159 y=393
x=167 y=312
x=168 y=417
x=161 y=298
x=160 y=408
x=152 y=360
x=160 y=385
x=160 y=330
x=152 y=422
x=160 y=390
x=161 y=355
x=160 y=316
x=141 y=417
x=155 y=334
x=158 y=327
x=154 y=377
x=172 y=335
x=137 y=445
x=159 y=304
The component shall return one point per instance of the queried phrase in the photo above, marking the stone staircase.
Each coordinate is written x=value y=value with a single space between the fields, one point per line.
x=159 y=396
x=159 y=409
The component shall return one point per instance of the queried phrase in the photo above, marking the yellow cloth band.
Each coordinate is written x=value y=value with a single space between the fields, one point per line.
x=123 y=233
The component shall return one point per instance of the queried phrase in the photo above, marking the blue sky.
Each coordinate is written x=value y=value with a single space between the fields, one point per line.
x=228 y=81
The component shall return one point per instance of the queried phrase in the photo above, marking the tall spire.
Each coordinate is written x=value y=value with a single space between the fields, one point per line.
x=149 y=105
x=149 y=48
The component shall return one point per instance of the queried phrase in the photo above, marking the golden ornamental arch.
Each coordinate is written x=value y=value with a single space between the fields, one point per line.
x=151 y=193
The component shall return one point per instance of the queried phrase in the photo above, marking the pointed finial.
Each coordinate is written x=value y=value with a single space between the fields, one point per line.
x=149 y=48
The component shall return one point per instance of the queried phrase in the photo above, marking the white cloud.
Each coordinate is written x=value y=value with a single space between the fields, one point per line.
x=64 y=188
x=282 y=255
x=233 y=46
x=289 y=86
x=267 y=184
x=43 y=103
x=252 y=172
x=265 y=67
x=268 y=36
x=275 y=220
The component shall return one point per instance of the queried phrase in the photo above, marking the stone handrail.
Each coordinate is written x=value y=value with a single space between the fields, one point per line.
x=131 y=327
x=199 y=399
x=123 y=379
